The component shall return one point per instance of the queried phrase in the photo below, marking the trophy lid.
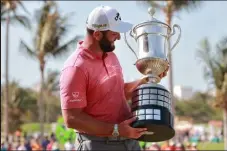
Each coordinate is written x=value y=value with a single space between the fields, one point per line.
x=151 y=12
x=159 y=25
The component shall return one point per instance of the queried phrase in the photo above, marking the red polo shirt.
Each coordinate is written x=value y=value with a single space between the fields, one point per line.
x=87 y=81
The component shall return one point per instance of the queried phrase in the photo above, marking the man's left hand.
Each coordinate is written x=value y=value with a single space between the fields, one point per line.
x=164 y=73
x=145 y=79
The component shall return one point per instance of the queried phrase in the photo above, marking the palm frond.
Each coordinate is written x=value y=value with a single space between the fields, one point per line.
x=23 y=7
x=222 y=52
x=3 y=11
x=215 y=69
x=187 y=5
x=66 y=17
x=66 y=47
x=52 y=81
x=22 y=20
x=23 y=47
x=41 y=16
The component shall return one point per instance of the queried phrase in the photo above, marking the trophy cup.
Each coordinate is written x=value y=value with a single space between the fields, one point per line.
x=151 y=102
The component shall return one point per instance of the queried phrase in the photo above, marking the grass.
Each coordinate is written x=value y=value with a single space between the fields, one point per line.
x=201 y=146
x=211 y=146
x=35 y=127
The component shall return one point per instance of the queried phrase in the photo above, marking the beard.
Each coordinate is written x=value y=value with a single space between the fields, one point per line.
x=105 y=45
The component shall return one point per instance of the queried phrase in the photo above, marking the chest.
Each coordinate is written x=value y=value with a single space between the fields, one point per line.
x=105 y=76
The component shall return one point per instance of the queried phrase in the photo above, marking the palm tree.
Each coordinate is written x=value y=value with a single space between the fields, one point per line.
x=169 y=9
x=215 y=72
x=9 y=15
x=51 y=87
x=21 y=102
x=51 y=30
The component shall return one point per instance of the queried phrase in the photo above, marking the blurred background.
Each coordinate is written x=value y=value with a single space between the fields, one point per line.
x=38 y=36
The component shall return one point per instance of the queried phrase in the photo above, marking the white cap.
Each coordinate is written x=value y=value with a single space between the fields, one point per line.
x=106 y=18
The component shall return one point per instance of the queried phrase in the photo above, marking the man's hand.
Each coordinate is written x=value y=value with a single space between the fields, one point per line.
x=131 y=86
x=164 y=73
x=125 y=130
x=145 y=79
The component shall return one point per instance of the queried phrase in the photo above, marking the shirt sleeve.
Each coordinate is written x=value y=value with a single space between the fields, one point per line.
x=73 y=85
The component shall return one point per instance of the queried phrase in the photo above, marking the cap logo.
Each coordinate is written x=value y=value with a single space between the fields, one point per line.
x=99 y=26
x=118 y=17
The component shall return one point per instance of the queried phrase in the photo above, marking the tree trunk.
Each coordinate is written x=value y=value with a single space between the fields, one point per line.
x=168 y=21
x=6 y=121
x=40 y=102
x=225 y=127
x=47 y=106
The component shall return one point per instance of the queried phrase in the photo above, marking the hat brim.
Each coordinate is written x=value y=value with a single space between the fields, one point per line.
x=122 y=27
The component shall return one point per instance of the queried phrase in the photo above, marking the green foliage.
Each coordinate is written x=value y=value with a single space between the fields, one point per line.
x=22 y=107
x=215 y=67
x=211 y=146
x=199 y=107
x=62 y=133
x=22 y=102
x=34 y=127
x=9 y=10
x=52 y=29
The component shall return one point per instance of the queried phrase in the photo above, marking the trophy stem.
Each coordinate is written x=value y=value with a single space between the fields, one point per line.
x=153 y=78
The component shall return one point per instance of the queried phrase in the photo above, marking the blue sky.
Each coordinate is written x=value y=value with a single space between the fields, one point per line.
x=207 y=21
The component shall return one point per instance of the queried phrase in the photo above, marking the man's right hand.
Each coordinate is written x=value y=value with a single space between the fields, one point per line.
x=125 y=130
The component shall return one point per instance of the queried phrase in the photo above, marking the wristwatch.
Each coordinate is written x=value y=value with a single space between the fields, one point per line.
x=115 y=132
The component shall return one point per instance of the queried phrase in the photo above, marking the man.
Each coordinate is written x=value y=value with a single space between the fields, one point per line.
x=93 y=92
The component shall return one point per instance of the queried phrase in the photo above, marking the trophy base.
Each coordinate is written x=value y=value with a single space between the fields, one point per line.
x=151 y=104
x=157 y=130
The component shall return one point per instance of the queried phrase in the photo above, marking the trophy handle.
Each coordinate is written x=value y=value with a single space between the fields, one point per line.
x=178 y=38
x=128 y=43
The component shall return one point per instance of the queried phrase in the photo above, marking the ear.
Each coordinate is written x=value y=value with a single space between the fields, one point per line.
x=97 y=35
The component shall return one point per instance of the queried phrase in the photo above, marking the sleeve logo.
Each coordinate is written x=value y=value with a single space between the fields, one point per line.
x=75 y=96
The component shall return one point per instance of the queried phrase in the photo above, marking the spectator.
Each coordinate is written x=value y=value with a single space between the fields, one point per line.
x=3 y=147
x=21 y=146
x=188 y=146
x=180 y=146
x=154 y=147
x=45 y=143
x=51 y=146
x=28 y=145
x=194 y=147
x=35 y=145
x=171 y=146
x=165 y=145
x=69 y=145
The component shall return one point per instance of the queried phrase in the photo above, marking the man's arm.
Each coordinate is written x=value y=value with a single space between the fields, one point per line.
x=77 y=119
x=73 y=85
x=73 y=88
x=131 y=86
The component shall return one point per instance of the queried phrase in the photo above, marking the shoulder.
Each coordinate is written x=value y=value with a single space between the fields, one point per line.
x=77 y=60
x=113 y=55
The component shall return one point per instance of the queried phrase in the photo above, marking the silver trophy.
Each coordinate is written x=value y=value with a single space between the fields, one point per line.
x=151 y=102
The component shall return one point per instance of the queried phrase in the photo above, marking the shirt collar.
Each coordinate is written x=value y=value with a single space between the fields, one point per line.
x=91 y=54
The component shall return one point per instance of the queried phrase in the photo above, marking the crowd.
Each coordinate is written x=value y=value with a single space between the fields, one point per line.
x=31 y=143
x=170 y=146
x=51 y=143
x=182 y=141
